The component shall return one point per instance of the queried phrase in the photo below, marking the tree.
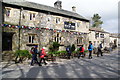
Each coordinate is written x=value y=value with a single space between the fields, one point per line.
x=96 y=20
x=73 y=48
x=54 y=46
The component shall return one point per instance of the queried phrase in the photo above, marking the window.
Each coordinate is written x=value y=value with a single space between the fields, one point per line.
x=101 y=35
x=32 y=16
x=78 y=24
x=8 y=12
x=79 y=40
x=57 y=20
x=32 y=38
x=96 y=35
x=48 y=19
x=57 y=38
x=23 y=16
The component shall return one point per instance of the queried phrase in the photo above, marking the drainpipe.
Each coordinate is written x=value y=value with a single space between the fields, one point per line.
x=19 y=28
x=20 y=60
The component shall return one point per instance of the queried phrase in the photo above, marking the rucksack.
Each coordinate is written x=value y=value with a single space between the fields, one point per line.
x=67 y=49
x=89 y=47
x=40 y=53
x=80 y=49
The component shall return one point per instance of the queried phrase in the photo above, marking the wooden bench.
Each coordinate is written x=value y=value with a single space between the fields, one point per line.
x=50 y=57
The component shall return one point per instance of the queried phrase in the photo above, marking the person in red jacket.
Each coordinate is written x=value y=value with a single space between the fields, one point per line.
x=81 y=49
x=42 y=56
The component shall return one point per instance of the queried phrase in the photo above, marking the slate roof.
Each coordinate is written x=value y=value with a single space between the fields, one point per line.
x=97 y=29
x=116 y=35
x=24 y=3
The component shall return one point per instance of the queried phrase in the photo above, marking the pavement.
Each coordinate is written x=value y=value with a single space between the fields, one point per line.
x=105 y=66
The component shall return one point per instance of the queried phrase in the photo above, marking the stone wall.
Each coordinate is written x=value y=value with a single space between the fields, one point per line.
x=43 y=37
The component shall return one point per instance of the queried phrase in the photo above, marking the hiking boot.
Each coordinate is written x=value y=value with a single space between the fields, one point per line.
x=45 y=63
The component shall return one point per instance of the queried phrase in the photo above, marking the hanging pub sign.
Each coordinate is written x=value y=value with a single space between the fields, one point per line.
x=69 y=25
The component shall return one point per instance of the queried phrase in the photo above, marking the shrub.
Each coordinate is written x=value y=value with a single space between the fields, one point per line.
x=86 y=51
x=63 y=52
x=73 y=48
x=23 y=53
x=54 y=46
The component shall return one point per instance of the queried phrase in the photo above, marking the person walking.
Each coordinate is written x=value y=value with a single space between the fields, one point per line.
x=34 y=56
x=42 y=56
x=100 y=50
x=68 y=49
x=81 y=49
x=90 y=48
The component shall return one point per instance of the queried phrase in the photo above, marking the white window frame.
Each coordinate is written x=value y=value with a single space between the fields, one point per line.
x=32 y=16
x=57 y=20
x=79 y=40
x=8 y=14
x=57 y=38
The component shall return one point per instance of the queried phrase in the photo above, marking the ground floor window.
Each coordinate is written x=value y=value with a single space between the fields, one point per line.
x=32 y=38
x=57 y=38
x=79 y=40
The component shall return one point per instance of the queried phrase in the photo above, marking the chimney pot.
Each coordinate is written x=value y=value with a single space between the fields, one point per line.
x=74 y=9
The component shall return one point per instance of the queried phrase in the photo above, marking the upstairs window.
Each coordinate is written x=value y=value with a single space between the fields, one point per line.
x=8 y=12
x=101 y=35
x=23 y=16
x=96 y=35
x=57 y=20
x=32 y=16
x=78 y=24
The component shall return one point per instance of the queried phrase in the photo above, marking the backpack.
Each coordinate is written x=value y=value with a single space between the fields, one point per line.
x=40 y=53
x=80 y=49
x=89 y=47
x=67 y=49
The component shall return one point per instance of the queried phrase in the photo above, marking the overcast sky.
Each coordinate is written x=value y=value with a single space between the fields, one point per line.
x=107 y=9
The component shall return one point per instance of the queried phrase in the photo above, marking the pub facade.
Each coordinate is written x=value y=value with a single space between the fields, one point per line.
x=26 y=24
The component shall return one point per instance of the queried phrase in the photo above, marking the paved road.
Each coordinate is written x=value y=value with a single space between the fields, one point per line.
x=98 y=67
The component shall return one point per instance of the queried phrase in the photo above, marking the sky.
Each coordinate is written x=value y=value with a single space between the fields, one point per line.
x=107 y=9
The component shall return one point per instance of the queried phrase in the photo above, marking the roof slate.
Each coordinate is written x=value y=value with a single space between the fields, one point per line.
x=97 y=29
x=24 y=3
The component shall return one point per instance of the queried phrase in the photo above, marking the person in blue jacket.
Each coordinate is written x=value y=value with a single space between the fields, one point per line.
x=68 y=49
x=90 y=48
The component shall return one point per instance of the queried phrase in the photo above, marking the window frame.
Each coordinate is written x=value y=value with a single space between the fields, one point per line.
x=32 y=38
x=79 y=40
x=6 y=12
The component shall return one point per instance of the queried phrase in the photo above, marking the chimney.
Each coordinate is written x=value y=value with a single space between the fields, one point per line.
x=58 y=4
x=74 y=9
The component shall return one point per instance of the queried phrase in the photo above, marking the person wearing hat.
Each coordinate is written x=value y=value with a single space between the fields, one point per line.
x=42 y=56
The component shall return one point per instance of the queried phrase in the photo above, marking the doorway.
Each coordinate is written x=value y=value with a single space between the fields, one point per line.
x=7 y=41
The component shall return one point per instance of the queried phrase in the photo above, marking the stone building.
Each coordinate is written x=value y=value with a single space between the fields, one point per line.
x=114 y=39
x=98 y=35
x=26 y=24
